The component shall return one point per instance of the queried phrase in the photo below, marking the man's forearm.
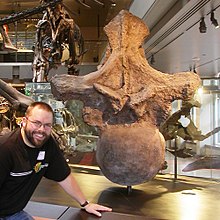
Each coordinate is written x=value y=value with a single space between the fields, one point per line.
x=71 y=186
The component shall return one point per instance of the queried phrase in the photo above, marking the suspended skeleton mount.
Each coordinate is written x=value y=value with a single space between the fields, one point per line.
x=127 y=100
x=54 y=32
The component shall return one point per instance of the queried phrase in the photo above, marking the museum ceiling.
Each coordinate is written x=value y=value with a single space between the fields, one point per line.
x=90 y=13
x=176 y=42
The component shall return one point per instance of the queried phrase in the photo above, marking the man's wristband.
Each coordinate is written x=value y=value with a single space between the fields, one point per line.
x=84 y=204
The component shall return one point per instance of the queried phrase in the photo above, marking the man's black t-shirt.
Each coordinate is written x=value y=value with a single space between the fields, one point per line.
x=22 y=168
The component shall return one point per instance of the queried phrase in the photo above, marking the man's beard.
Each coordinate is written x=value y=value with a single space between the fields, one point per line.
x=37 y=143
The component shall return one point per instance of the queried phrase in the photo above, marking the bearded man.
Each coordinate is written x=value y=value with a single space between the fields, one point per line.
x=26 y=155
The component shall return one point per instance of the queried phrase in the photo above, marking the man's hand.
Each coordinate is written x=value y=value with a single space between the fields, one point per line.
x=96 y=209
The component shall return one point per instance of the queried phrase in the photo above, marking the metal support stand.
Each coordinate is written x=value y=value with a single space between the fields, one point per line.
x=129 y=189
x=175 y=159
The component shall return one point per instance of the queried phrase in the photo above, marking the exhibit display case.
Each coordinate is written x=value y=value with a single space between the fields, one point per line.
x=199 y=157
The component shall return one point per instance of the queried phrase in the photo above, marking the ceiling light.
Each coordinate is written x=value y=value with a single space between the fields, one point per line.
x=213 y=20
x=152 y=60
x=202 y=26
x=194 y=69
x=113 y=4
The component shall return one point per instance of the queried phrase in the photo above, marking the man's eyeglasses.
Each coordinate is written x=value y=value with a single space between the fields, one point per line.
x=38 y=124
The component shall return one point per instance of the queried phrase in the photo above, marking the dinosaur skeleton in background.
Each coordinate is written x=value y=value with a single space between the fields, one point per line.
x=65 y=131
x=13 y=104
x=7 y=44
x=55 y=32
x=173 y=128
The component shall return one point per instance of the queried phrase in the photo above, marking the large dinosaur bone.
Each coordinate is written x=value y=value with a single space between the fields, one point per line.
x=126 y=80
x=127 y=100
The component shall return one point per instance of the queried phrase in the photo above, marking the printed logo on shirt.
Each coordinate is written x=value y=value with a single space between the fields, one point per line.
x=39 y=166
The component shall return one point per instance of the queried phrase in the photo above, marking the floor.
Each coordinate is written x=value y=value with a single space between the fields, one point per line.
x=183 y=198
